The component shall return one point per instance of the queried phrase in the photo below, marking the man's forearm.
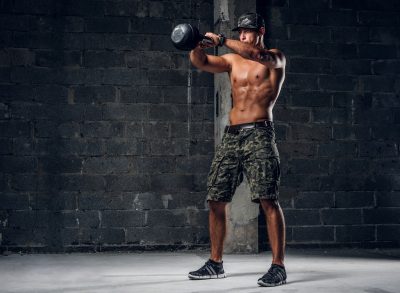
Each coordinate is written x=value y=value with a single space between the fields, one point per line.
x=249 y=52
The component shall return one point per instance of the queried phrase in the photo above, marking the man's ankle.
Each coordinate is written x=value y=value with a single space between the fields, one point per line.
x=216 y=261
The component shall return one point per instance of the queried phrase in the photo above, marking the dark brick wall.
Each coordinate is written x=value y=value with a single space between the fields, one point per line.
x=96 y=108
x=338 y=120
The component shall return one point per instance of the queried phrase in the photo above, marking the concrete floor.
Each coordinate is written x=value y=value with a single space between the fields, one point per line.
x=371 y=271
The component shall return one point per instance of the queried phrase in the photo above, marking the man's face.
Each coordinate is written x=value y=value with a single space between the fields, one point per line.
x=249 y=36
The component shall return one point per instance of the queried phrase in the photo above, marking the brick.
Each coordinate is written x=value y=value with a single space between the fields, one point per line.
x=196 y=164
x=356 y=233
x=84 y=219
x=297 y=149
x=107 y=25
x=126 y=42
x=341 y=216
x=314 y=200
x=105 y=200
x=159 y=26
x=354 y=199
x=14 y=201
x=94 y=94
x=378 y=149
x=378 y=18
x=15 y=129
x=335 y=17
x=311 y=99
x=337 y=82
x=308 y=166
x=158 y=165
x=167 y=235
x=382 y=216
x=87 y=8
x=103 y=59
x=349 y=166
x=171 y=182
x=334 y=116
x=350 y=35
x=177 y=147
x=123 y=146
x=388 y=233
x=125 y=76
x=386 y=67
x=343 y=149
x=388 y=166
x=384 y=132
x=83 y=41
x=377 y=51
x=127 y=182
x=311 y=5
x=6 y=146
x=351 y=100
x=122 y=218
x=309 y=65
x=388 y=199
x=310 y=132
x=313 y=234
x=13 y=164
x=167 y=218
x=29 y=219
x=384 y=35
x=102 y=236
x=297 y=48
x=57 y=200
x=82 y=182
x=302 y=217
x=104 y=165
x=352 y=133
x=352 y=67
x=304 y=82
x=102 y=129
x=311 y=33
x=385 y=100
x=168 y=113
x=73 y=24
x=151 y=201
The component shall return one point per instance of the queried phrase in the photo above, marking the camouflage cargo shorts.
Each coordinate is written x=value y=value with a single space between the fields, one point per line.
x=252 y=152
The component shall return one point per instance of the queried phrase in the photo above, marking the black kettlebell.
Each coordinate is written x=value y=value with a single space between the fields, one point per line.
x=186 y=37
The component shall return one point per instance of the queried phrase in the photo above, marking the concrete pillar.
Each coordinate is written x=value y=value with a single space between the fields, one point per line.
x=242 y=228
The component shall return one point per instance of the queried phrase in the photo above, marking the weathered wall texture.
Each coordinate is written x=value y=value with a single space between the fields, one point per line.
x=338 y=120
x=106 y=131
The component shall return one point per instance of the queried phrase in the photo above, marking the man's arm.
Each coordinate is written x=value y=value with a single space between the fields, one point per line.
x=209 y=63
x=272 y=58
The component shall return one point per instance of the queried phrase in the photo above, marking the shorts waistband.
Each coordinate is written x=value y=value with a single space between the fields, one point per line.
x=234 y=129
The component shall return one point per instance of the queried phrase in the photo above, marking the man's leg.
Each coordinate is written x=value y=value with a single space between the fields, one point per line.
x=213 y=268
x=276 y=229
x=217 y=227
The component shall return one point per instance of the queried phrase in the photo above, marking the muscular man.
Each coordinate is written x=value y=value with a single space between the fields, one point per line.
x=248 y=145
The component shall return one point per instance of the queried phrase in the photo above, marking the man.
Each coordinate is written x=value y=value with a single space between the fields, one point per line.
x=248 y=145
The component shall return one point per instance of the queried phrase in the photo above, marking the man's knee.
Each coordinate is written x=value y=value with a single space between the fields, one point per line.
x=217 y=207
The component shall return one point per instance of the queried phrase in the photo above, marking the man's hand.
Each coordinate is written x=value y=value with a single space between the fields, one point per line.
x=204 y=44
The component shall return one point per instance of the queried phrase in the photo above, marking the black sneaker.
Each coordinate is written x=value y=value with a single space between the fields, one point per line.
x=211 y=270
x=275 y=276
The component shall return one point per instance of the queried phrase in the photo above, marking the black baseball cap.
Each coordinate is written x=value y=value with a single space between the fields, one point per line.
x=250 y=20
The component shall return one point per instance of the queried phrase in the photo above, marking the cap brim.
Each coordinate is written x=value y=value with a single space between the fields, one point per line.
x=248 y=27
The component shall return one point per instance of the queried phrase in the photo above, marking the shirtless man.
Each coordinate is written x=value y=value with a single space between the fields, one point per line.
x=248 y=145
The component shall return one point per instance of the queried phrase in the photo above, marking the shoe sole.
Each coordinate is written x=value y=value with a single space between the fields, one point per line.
x=193 y=277
x=261 y=283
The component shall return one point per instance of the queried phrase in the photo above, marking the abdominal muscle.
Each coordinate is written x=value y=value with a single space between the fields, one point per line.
x=249 y=106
